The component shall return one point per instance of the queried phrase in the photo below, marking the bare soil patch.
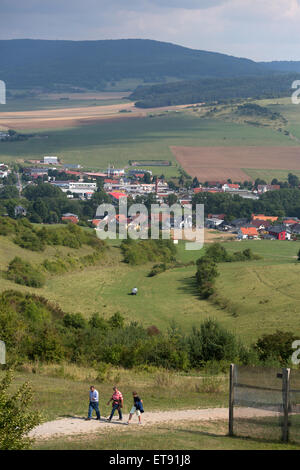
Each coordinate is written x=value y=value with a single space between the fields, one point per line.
x=221 y=163
x=74 y=117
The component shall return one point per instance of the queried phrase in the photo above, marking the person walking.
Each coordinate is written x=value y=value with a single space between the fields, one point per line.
x=137 y=408
x=117 y=403
x=94 y=404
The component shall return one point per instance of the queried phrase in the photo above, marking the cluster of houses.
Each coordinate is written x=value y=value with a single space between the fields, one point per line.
x=164 y=221
x=123 y=183
x=235 y=188
x=260 y=226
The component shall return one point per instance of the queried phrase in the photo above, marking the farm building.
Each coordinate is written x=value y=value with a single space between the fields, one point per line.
x=261 y=224
x=115 y=172
x=247 y=232
x=116 y=195
x=230 y=187
x=281 y=232
x=263 y=188
x=68 y=217
x=237 y=223
x=213 y=222
x=264 y=217
x=50 y=160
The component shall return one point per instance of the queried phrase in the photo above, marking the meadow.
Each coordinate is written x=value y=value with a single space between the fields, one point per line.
x=99 y=143
x=252 y=298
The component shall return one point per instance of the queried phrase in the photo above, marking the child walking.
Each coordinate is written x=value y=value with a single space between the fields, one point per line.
x=137 y=408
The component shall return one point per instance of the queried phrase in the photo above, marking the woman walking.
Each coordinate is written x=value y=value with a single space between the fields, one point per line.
x=137 y=408
x=117 y=403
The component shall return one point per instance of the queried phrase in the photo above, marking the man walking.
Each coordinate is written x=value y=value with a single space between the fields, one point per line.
x=117 y=403
x=94 y=403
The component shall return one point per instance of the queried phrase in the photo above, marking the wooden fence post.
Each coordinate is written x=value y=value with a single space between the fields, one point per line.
x=286 y=403
x=231 y=398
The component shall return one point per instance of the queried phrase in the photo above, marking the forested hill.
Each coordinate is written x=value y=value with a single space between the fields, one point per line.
x=282 y=66
x=27 y=64
x=214 y=90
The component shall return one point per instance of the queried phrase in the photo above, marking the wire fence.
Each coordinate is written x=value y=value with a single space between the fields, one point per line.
x=264 y=403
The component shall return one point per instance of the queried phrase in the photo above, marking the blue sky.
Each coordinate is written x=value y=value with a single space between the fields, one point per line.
x=257 y=29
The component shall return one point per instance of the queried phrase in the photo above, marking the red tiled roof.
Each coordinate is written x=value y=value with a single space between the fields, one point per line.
x=258 y=222
x=117 y=195
x=264 y=217
x=252 y=231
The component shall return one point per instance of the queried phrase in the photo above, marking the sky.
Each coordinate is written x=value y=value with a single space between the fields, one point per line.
x=256 y=29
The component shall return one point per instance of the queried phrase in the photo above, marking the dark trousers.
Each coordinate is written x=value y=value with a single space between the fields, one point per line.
x=94 y=405
x=114 y=408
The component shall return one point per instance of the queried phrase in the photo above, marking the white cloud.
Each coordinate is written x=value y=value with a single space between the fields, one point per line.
x=258 y=29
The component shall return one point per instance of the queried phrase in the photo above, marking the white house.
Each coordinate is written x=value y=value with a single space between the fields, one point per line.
x=50 y=160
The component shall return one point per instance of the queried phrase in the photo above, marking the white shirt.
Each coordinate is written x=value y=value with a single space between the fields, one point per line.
x=94 y=396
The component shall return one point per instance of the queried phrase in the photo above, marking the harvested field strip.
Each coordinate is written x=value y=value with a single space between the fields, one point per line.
x=213 y=163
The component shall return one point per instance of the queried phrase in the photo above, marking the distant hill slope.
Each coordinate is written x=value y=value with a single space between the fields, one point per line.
x=27 y=64
x=214 y=89
x=282 y=66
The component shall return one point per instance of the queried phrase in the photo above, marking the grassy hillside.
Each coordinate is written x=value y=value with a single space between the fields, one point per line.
x=252 y=297
x=94 y=64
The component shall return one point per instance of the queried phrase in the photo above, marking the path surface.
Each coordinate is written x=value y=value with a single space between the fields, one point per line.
x=77 y=425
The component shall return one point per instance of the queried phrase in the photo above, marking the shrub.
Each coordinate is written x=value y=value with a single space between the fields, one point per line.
x=276 y=346
x=74 y=320
x=7 y=226
x=22 y=272
x=205 y=276
x=29 y=240
x=157 y=269
x=143 y=251
x=153 y=330
x=217 y=253
x=211 y=342
x=16 y=419
x=56 y=266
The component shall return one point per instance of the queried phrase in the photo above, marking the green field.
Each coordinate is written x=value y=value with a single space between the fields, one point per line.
x=15 y=105
x=117 y=142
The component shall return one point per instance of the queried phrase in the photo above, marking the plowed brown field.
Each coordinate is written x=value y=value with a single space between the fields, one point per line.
x=221 y=163
x=74 y=117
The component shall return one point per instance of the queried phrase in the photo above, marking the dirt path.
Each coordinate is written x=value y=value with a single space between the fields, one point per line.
x=77 y=425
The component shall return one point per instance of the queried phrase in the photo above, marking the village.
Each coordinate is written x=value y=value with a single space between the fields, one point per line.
x=133 y=183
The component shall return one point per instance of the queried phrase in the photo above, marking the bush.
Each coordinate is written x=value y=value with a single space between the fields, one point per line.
x=29 y=240
x=276 y=346
x=143 y=251
x=205 y=276
x=217 y=253
x=211 y=342
x=16 y=419
x=22 y=272
x=74 y=320
x=157 y=269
